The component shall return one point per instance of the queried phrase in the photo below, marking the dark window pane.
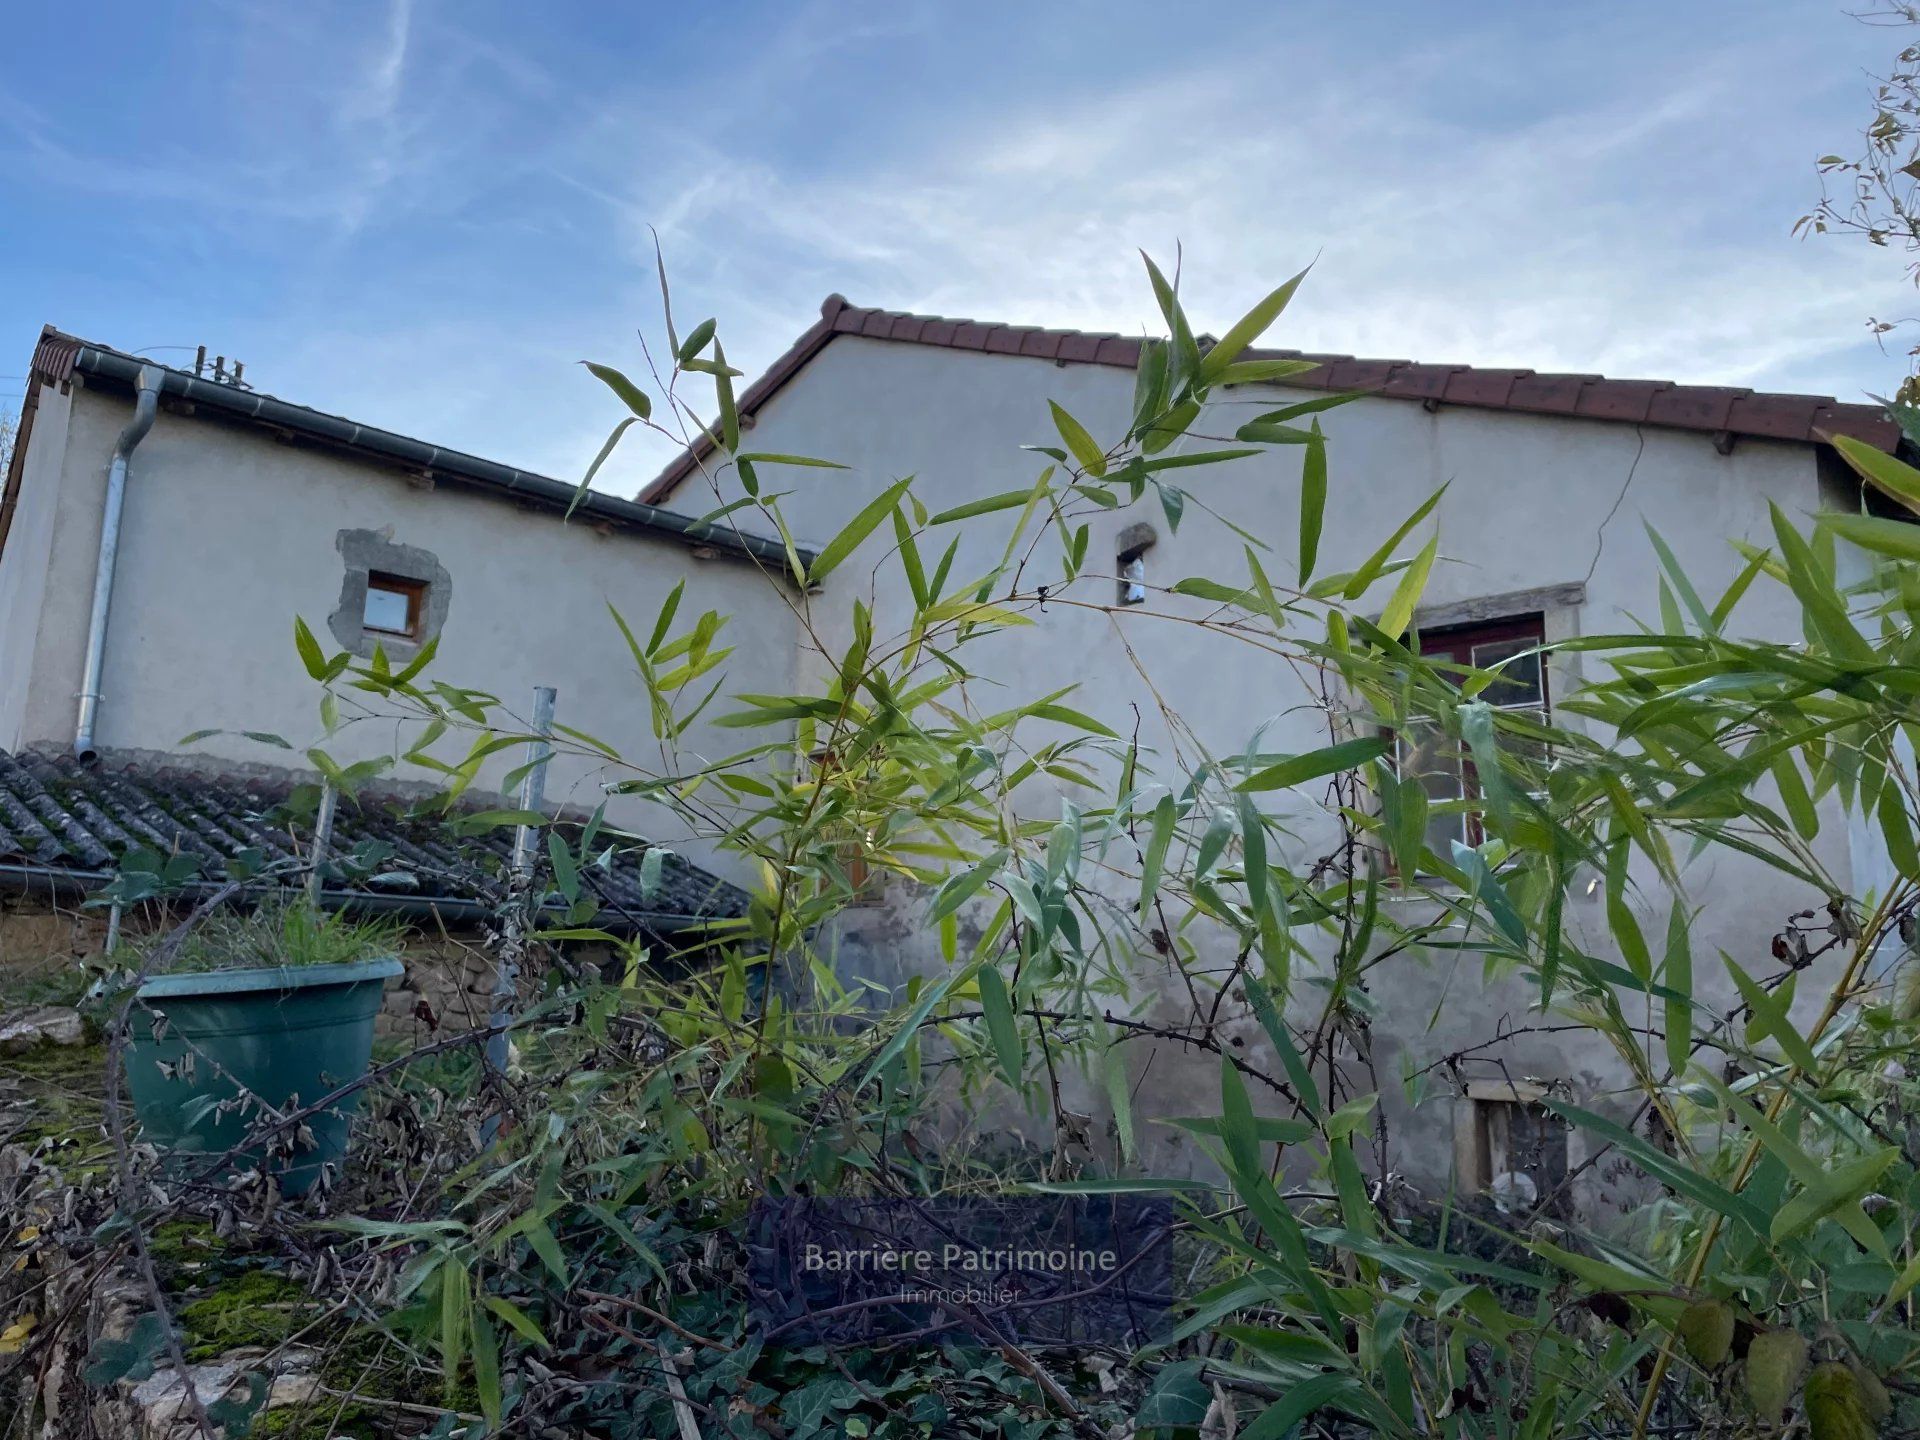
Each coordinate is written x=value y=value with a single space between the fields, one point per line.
x=1518 y=682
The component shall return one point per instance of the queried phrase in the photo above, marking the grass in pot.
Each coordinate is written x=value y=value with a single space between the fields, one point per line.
x=263 y=1012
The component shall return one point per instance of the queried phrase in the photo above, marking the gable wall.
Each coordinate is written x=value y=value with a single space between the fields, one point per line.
x=1533 y=502
x=229 y=535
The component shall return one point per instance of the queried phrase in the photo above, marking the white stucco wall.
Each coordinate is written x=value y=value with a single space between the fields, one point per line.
x=229 y=534
x=1533 y=502
x=23 y=569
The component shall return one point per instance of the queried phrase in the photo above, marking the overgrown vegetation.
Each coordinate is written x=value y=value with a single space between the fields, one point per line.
x=278 y=933
x=556 y=1242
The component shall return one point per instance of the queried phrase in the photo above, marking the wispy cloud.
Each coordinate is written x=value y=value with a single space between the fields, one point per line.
x=424 y=213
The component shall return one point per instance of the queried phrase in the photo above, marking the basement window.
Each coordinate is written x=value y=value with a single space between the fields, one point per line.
x=395 y=606
x=1512 y=1149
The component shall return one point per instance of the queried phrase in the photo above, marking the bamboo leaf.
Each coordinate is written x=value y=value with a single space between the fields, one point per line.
x=1313 y=502
x=856 y=530
x=1406 y=595
x=1893 y=478
x=1328 y=761
x=631 y=395
x=1247 y=329
x=1092 y=459
x=1001 y=1027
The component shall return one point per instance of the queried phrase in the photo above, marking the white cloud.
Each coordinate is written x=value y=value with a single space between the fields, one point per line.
x=1586 y=240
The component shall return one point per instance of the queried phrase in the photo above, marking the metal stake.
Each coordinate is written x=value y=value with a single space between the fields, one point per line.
x=513 y=929
x=322 y=838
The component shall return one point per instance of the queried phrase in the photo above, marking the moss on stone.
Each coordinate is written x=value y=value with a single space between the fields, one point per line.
x=255 y=1307
x=57 y=1090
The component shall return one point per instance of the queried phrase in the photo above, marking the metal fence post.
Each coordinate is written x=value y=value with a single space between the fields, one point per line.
x=515 y=922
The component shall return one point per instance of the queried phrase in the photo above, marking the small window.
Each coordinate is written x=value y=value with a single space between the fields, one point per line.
x=1514 y=1149
x=1440 y=763
x=1130 y=560
x=395 y=606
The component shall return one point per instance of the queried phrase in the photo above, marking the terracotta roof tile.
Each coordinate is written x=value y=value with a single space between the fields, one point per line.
x=1620 y=399
x=1806 y=418
x=1003 y=339
x=1694 y=407
x=1550 y=394
x=1420 y=382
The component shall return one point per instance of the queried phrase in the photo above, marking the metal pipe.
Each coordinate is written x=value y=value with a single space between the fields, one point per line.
x=513 y=937
x=322 y=837
x=146 y=405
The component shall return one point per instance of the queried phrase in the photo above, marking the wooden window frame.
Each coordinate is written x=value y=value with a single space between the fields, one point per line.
x=1456 y=643
x=416 y=593
x=862 y=879
x=1483 y=1144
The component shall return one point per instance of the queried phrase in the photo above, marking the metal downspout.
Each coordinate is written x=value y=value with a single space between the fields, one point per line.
x=145 y=406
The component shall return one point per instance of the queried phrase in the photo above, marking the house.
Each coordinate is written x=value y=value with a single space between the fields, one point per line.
x=1549 y=479
x=242 y=511
x=239 y=512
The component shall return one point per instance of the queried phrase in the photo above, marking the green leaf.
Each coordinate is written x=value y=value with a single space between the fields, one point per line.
x=1062 y=715
x=1092 y=459
x=1824 y=608
x=1897 y=538
x=1236 y=1121
x=696 y=341
x=1304 y=1088
x=631 y=395
x=586 y=481
x=1359 y=580
x=1247 y=329
x=1682 y=586
x=541 y=1237
x=1891 y=477
x=1843 y=1184
x=1113 y=1067
x=1677 y=974
x=856 y=530
x=760 y=457
x=1328 y=761
x=723 y=391
x=1155 y=854
x=1313 y=502
x=1001 y=1028
x=1664 y=1168
x=1406 y=595
x=311 y=655
x=1179 y=1398
x=486 y=1367
x=1005 y=500
x=1770 y=1018
x=518 y=1320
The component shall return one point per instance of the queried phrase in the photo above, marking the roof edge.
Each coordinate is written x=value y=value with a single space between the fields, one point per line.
x=59 y=357
x=1725 y=412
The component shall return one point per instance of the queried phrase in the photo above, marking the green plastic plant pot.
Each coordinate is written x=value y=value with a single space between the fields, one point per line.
x=289 y=1035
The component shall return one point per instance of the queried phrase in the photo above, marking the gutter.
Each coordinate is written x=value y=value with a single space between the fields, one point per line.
x=417 y=456
x=146 y=406
x=56 y=883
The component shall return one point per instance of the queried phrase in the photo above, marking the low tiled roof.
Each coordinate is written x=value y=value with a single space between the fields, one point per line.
x=67 y=820
x=1720 y=410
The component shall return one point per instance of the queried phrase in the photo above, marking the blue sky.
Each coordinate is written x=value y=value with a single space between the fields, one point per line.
x=421 y=213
